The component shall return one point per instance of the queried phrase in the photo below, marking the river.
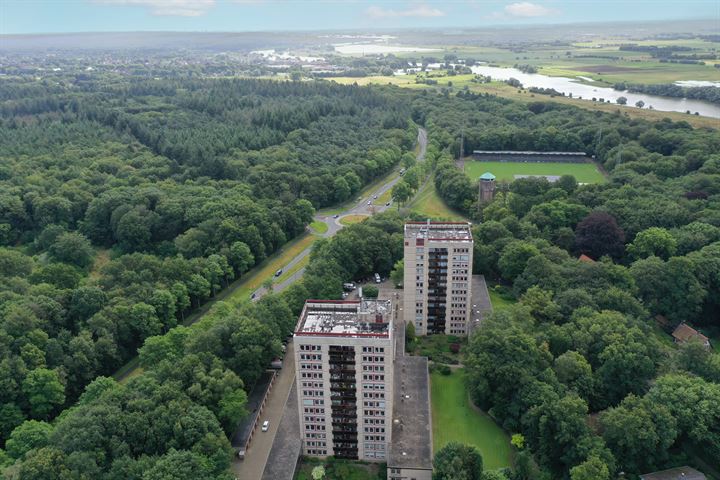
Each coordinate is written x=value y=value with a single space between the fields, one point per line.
x=587 y=92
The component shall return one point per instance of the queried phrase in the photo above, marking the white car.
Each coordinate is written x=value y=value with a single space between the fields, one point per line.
x=266 y=425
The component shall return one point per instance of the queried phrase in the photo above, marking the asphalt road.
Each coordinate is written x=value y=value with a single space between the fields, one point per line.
x=257 y=453
x=363 y=206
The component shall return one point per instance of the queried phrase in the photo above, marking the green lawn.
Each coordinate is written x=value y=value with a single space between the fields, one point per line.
x=429 y=204
x=498 y=301
x=504 y=171
x=350 y=219
x=455 y=419
x=319 y=227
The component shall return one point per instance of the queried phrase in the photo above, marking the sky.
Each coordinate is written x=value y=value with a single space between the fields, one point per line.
x=51 y=16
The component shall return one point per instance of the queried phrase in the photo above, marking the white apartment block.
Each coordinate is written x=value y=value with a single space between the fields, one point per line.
x=438 y=274
x=344 y=358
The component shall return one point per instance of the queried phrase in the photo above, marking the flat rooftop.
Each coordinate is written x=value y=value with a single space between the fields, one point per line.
x=680 y=473
x=412 y=430
x=450 y=231
x=353 y=318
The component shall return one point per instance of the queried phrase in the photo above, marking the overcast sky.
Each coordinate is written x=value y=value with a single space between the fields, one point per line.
x=44 y=16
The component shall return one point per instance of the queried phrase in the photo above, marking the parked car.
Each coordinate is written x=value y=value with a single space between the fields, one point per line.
x=279 y=272
x=375 y=197
x=337 y=215
x=377 y=278
x=369 y=202
x=348 y=287
x=266 y=425
x=387 y=204
x=252 y=297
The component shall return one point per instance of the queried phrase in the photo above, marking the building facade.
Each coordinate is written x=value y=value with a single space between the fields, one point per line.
x=344 y=357
x=437 y=282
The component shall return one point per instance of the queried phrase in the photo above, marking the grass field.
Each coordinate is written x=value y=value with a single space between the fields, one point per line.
x=350 y=219
x=319 y=227
x=504 y=171
x=498 y=301
x=455 y=419
x=429 y=204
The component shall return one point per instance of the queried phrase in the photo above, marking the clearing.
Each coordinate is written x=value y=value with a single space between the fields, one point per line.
x=455 y=419
x=505 y=171
x=428 y=203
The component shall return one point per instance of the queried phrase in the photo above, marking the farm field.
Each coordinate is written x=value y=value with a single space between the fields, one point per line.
x=455 y=419
x=505 y=171
x=501 y=89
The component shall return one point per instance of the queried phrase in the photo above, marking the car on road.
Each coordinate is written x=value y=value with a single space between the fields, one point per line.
x=279 y=272
x=369 y=202
x=387 y=204
x=252 y=297
x=266 y=425
x=375 y=197
x=337 y=215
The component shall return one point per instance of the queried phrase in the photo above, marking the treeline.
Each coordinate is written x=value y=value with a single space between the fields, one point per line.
x=709 y=94
x=126 y=205
x=173 y=420
x=582 y=368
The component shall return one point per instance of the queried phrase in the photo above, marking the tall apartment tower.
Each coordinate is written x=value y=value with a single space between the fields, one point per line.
x=344 y=357
x=438 y=277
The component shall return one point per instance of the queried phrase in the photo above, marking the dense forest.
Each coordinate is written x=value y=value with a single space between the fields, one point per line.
x=584 y=367
x=126 y=204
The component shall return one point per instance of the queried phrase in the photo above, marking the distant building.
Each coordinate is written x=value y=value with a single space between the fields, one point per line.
x=523 y=156
x=684 y=333
x=437 y=282
x=487 y=187
x=344 y=357
x=680 y=473
x=586 y=259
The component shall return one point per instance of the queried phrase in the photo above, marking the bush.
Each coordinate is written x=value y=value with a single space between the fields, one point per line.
x=370 y=291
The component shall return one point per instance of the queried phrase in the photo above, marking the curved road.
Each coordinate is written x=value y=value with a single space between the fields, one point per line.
x=364 y=206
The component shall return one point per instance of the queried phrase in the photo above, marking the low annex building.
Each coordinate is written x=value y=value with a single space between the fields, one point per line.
x=685 y=333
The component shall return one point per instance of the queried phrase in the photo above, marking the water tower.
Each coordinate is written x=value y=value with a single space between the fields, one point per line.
x=487 y=187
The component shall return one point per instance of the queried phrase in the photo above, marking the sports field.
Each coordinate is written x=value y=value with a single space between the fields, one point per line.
x=505 y=171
